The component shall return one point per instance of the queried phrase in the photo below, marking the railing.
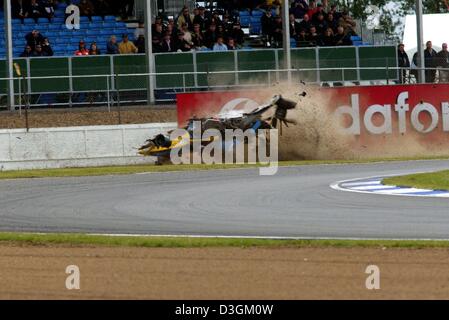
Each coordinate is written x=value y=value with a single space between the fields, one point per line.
x=113 y=93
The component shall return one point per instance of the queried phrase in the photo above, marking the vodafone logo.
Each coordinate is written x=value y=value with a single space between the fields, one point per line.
x=402 y=109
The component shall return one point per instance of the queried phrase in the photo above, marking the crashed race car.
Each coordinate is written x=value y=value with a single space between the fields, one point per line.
x=272 y=115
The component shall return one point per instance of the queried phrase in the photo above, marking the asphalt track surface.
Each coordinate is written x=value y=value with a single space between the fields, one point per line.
x=297 y=202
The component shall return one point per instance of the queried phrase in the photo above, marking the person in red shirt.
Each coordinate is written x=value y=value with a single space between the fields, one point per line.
x=312 y=8
x=82 y=50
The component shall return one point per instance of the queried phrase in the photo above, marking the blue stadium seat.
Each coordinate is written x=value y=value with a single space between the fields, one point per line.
x=29 y=21
x=42 y=20
x=356 y=38
x=97 y=19
x=245 y=21
x=60 y=20
x=257 y=13
x=109 y=19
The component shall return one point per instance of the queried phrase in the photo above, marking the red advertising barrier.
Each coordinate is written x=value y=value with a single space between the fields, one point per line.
x=366 y=112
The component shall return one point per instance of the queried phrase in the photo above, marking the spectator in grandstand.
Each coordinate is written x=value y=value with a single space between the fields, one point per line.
x=28 y=52
x=294 y=27
x=20 y=10
x=220 y=46
x=93 y=50
x=185 y=18
x=342 y=38
x=403 y=62
x=198 y=37
x=201 y=19
x=187 y=34
x=299 y=8
x=314 y=37
x=210 y=37
x=140 y=44
x=46 y=48
x=158 y=32
x=267 y=24
x=48 y=8
x=126 y=46
x=313 y=8
x=87 y=9
x=82 y=50
x=331 y=22
x=302 y=39
x=181 y=45
x=320 y=24
x=231 y=44
x=112 y=46
x=430 y=57
x=277 y=32
x=34 y=38
x=443 y=62
x=167 y=43
x=156 y=44
x=327 y=39
x=126 y=8
x=237 y=34
x=35 y=10
x=305 y=23
x=102 y=8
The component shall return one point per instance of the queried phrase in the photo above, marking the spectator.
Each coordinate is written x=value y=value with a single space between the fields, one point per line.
x=327 y=40
x=140 y=44
x=443 y=62
x=210 y=37
x=313 y=37
x=157 y=44
x=231 y=44
x=126 y=46
x=181 y=45
x=126 y=8
x=82 y=50
x=341 y=38
x=278 y=32
x=197 y=37
x=20 y=10
x=238 y=35
x=294 y=27
x=305 y=23
x=46 y=48
x=220 y=46
x=187 y=34
x=430 y=57
x=299 y=9
x=167 y=43
x=313 y=8
x=112 y=46
x=267 y=24
x=302 y=40
x=158 y=32
x=201 y=19
x=320 y=23
x=403 y=62
x=102 y=8
x=185 y=18
x=35 y=10
x=34 y=38
x=87 y=9
x=48 y=8
x=93 y=50
x=331 y=22
x=28 y=52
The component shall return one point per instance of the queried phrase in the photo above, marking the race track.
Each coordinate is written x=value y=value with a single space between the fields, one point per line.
x=297 y=202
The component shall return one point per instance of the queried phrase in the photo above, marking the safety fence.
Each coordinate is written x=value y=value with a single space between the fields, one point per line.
x=100 y=79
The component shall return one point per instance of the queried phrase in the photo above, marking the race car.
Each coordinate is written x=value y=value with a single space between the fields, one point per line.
x=269 y=116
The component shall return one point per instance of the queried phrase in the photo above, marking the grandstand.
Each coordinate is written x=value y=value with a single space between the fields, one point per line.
x=64 y=41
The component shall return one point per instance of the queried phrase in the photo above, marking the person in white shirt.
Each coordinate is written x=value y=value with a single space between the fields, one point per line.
x=220 y=46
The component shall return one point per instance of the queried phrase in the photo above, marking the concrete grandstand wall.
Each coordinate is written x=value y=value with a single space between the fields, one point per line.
x=75 y=146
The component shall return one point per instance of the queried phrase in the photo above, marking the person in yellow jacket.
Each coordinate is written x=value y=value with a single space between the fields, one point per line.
x=126 y=46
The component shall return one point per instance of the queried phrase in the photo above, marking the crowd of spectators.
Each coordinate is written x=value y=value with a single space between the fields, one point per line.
x=433 y=61
x=37 y=45
x=22 y=9
x=197 y=30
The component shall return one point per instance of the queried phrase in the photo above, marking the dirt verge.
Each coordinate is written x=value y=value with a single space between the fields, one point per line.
x=222 y=273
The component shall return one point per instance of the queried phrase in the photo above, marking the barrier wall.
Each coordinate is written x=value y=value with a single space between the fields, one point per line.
x=242 y=60
x=75 y=146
